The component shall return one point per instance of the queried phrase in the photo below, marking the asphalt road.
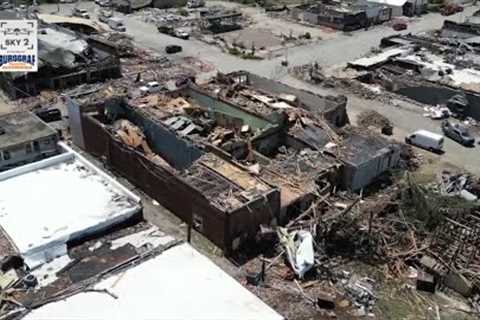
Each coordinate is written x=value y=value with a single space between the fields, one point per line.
x=335 y=51
x=338 y=50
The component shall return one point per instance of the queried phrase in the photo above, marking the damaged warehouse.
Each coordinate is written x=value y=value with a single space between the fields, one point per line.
x=345 y=16
x=243 y=160
x=65 y=60
x=182 y=181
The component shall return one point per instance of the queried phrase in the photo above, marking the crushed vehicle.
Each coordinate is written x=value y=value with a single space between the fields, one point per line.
x=458 y=133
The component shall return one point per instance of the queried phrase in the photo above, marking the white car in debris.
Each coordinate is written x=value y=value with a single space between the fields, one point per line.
x=151 y=87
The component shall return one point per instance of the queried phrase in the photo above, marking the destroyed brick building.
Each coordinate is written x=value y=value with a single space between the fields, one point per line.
x=65 y=59
x=25 y=138
x=216 y=197
x=128 y=6
x=345 y=16
x=242 y=149
x=221 y=21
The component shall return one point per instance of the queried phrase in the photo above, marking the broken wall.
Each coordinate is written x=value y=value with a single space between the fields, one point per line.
x=269 y=141
x=159 y=183
x=334 y=109
x=163 y=185
x=179 y=153
x=433 y=95
x=216 y=105
x=243 y=223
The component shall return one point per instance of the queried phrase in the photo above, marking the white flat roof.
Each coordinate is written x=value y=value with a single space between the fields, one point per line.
x=181 y=283
x=394 y=3
x=47 y=203
x=378 y=58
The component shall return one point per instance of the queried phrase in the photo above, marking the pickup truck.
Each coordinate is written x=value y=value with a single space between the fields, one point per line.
x=178 y=33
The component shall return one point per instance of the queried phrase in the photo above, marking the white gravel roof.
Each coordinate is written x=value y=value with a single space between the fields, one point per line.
x=45 y=204
x=181 y=283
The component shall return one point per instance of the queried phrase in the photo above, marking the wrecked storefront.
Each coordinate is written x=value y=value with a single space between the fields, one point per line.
x=185 y=177
x=241 y=162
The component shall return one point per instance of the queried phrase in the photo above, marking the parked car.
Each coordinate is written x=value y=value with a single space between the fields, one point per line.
x=182 y=34
x=116 y=24
x=399 y=26
x=151 y=87
x=81 y=13
x=426 y=140
x=173 y=48
x=178 y=33
x=458 y=133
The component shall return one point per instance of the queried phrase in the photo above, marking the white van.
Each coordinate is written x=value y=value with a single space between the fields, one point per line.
x=116 y=24
x=426 y=140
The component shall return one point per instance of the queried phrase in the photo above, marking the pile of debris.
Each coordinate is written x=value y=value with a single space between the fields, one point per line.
x=134 y=137
x=463 y=185
x=361 y=292
x=371 y=118
x=123 y=43
x=437 y=112
x=399 y=230
x=475 y=302
x=158 y=16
